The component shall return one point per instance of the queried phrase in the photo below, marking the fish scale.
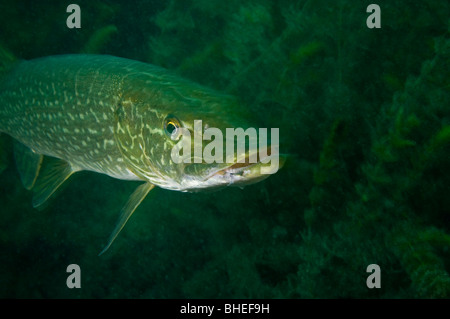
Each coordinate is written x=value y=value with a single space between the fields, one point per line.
x=48 y=111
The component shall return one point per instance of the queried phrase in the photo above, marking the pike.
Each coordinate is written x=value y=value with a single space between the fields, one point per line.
x=117 y=117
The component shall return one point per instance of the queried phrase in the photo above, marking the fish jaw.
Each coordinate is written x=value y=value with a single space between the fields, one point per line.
x=240 y=173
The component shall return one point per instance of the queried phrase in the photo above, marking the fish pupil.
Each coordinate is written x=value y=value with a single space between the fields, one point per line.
x=171 y=128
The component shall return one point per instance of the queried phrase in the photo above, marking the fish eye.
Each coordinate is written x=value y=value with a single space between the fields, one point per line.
x=172 y=127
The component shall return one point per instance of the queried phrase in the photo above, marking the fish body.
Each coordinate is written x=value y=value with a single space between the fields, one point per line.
x=64 y=107
x=117 y=117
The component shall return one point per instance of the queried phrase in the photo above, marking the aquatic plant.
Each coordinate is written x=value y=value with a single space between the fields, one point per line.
x=98 y=39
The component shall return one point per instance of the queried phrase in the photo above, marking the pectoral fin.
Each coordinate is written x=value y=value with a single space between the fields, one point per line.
x=28 y=164
x=133 y=202
x=53 y=173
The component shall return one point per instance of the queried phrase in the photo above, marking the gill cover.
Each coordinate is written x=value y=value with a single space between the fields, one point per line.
x=129 y=136
x=132 y=138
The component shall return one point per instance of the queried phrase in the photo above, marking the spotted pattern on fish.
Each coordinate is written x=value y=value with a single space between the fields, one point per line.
x=64 y=107
x=108 y=115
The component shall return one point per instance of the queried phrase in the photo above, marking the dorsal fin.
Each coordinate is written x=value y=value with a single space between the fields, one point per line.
x=53 y=173
x=7 y=60
x=28 y=164
x=133 y=202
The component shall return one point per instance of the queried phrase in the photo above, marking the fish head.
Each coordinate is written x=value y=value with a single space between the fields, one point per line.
x=177 y=137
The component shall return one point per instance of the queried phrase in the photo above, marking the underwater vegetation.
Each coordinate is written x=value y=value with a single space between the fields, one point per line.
x=364 y=115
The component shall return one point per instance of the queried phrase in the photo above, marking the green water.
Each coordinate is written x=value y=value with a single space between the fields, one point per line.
x=364 y=115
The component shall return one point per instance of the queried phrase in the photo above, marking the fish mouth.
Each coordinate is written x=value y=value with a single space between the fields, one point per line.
x=244 y=171
x=236 y=168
